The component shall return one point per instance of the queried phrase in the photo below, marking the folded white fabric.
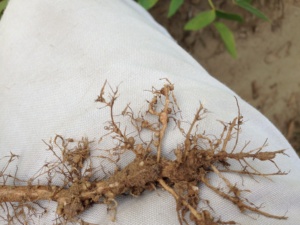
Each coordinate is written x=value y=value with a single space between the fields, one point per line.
x=54 y=58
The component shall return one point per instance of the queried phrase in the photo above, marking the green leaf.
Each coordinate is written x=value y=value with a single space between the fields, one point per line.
x=3 y=5
x=174 y=6
x=227 y=38
x=247 y=6
x=147 y=4
x=201 y=20
x=229 y=16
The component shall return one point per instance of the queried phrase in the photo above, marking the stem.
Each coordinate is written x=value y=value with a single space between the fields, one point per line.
x=211 y=4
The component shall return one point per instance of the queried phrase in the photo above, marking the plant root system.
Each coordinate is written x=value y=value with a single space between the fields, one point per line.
x=195 y=158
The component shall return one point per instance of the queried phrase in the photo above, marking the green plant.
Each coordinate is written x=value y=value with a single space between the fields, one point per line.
x=212 y=16
x=3 y=4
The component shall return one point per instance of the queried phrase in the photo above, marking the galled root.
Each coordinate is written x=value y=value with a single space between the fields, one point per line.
x=197 y=157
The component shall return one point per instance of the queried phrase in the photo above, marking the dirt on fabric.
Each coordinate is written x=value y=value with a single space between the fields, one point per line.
x=266 y=72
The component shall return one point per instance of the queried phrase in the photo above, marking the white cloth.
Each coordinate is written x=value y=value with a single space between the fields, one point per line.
x=54 y=58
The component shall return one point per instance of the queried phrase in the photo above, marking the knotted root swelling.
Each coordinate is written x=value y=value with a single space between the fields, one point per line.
x=197 y=157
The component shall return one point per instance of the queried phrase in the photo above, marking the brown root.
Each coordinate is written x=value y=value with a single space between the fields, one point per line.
x=198 y=156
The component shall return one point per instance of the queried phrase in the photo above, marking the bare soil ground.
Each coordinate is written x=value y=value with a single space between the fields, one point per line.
x=266 y=72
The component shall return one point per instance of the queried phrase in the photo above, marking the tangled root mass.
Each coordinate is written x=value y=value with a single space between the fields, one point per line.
x=198 y=156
